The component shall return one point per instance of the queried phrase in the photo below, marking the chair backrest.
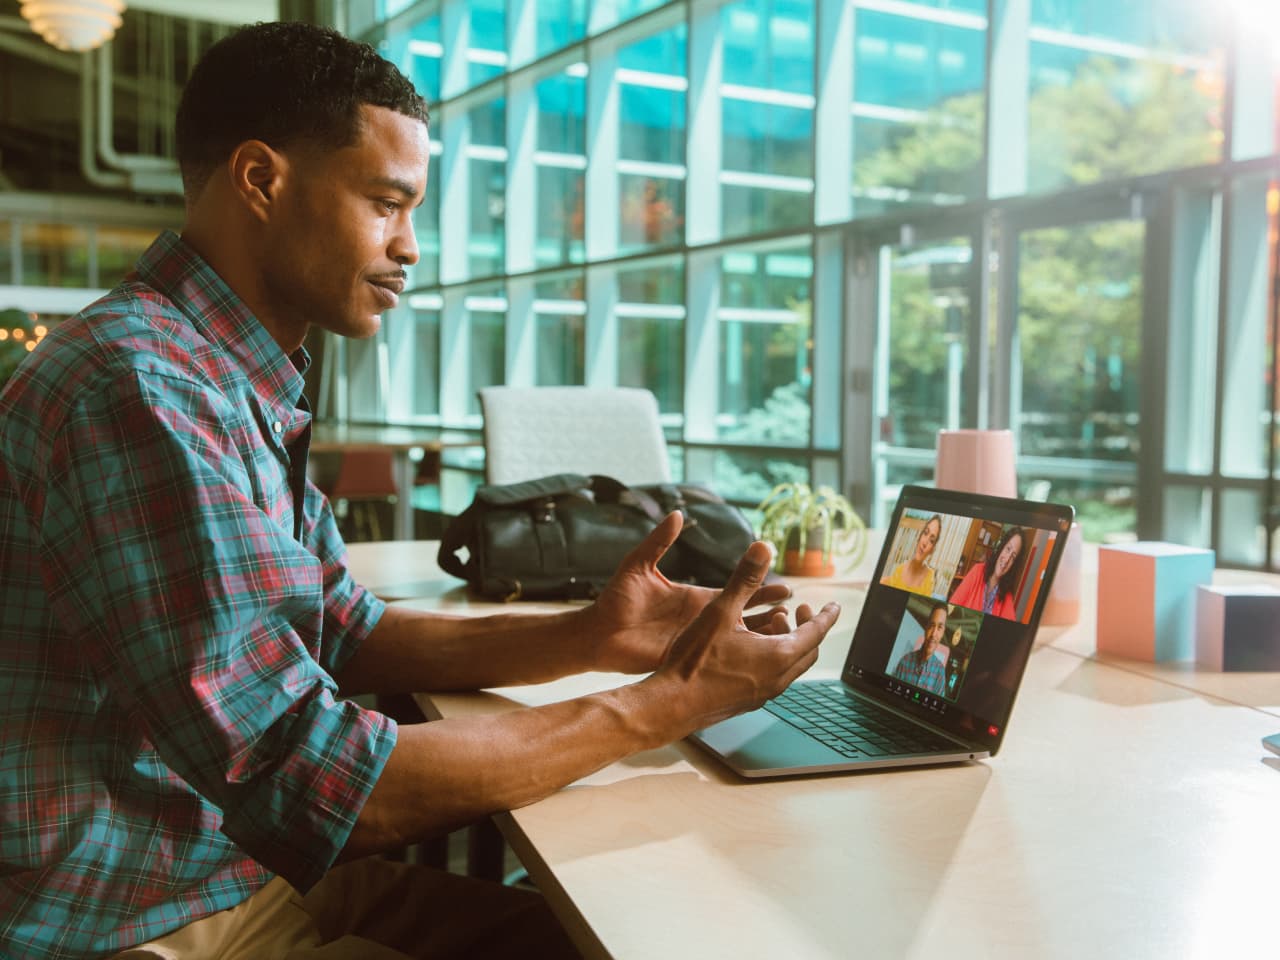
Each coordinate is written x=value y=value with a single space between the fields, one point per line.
x=532 y=432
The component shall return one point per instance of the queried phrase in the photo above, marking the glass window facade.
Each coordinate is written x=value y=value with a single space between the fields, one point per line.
x=822 y=230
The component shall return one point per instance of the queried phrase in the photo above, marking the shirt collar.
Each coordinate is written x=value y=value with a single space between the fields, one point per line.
x=181 y=275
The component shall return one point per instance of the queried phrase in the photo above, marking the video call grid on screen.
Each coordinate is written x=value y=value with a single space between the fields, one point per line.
x=981 y=651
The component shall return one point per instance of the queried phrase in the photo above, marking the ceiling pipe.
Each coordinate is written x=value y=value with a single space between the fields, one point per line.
x=88 y=162
x=132 y=162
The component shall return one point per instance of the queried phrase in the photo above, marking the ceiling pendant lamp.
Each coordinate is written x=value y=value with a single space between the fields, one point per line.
x=77 y=25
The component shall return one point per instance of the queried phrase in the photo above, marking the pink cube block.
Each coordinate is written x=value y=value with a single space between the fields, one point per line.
x=1147 y=599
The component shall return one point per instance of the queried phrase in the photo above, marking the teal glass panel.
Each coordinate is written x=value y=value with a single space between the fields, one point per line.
x=767 y=115
x=918 y=116
x=488 y=183
x=487 y=355
x=652 y=93
x=765 y=342
x=561 y=162
x=651 y=326
x=748 y=477
x=561 y=330
x=560 y=23
x=1118 y=90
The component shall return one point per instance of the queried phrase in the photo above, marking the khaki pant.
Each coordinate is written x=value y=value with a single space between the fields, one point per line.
x=371 y=909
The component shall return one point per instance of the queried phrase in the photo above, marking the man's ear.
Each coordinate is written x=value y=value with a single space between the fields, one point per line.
x=258 y=173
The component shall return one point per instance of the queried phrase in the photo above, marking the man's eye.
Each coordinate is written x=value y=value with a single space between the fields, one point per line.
x=391 y=206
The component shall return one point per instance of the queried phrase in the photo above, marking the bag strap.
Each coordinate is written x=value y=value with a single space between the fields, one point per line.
x=692 y=536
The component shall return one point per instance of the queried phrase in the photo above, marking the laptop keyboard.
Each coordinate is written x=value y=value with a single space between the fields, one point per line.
x=826 y=712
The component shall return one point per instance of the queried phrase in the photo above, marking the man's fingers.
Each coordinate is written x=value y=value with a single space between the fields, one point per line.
x=747 y=576
x=770 y=593
x=656 y=543
x=773 y=620
x=804 y=613
x=811 y=632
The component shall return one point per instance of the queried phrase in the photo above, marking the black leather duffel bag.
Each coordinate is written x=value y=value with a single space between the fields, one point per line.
x=563 y=536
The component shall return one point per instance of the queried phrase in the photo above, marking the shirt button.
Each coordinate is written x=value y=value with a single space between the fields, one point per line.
x=277 y=426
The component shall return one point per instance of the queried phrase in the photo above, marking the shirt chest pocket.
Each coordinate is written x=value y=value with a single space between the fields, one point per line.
x=268 y=468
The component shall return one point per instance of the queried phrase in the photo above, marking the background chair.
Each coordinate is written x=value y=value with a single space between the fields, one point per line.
x=366 y=478
x=532 y=432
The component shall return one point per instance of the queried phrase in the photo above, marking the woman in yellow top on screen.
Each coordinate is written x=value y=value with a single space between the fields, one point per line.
x=915 y=574
x=989 y=586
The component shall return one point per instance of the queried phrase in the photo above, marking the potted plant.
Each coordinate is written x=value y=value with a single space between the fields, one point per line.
x=809 y=528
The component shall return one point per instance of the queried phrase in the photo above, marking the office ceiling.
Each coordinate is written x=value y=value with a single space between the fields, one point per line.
x=40 y=94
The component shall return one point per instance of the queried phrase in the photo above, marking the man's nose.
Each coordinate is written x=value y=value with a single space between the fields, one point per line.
x=404 y=245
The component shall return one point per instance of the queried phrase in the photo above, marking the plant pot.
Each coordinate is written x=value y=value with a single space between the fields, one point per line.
x=809 y=563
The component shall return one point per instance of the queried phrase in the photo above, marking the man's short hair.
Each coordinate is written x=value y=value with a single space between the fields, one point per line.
x=282 y=83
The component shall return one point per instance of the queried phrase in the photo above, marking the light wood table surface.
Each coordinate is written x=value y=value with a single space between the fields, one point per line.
x=1258 y=690
x=1128 y=816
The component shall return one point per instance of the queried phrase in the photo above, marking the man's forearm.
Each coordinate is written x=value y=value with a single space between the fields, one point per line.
x=449 y=773
x=411 y=650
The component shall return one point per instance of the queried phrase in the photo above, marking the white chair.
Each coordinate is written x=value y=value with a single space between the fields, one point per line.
x=532 y=432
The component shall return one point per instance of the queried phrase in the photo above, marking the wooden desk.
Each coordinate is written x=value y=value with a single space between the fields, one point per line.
x=1126 y=817
x=402 y=570
x=1258 y=690
x=407 y=445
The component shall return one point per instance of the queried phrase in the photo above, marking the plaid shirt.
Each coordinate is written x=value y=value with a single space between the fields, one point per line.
x=924 y=672
x=169 y=732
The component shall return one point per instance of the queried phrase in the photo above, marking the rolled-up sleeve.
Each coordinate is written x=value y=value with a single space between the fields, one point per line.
x=208 y=621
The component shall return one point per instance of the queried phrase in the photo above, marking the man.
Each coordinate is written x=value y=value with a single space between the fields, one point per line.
x=176 y=618
x=920 y=667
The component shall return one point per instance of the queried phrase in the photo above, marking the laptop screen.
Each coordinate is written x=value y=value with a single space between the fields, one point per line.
x=952 y=609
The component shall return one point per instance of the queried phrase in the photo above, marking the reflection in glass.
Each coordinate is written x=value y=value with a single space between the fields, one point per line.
x=918 y=117
x=487 y=51
x=487 y=366
x=767 y=115
x=1079 y=329
x=1123 y=89
x=1187 y=511
x=651 y=147
x=610 y=13
x=55 y=255
x=118 y=250
x=426 y=227
x=748 y=477
x=765 y=342
x=651 y=326
x=1242 y=536
x=425 y=347
x=561 y=163
x=560 y=23
x=488 y=182
x=417 y=51
x=1248 y=346
x=561 y=331
x=929 y=321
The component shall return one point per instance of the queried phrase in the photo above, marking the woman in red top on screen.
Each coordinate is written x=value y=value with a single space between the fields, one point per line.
x=989 y=586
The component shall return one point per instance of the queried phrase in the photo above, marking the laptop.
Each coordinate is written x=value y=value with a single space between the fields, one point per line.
x=938 y=652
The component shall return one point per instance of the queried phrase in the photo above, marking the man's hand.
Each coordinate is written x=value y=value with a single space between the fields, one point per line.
x=721 y=667
x=640 y=612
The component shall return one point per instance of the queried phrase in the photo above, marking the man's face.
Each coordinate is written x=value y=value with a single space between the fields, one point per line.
x=345 y=229
x=933 y=632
